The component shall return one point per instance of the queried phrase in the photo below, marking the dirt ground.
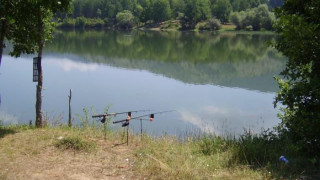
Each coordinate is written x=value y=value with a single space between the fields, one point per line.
x=44 y=161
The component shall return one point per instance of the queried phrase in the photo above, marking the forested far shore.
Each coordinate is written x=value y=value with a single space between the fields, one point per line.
x=170 y=14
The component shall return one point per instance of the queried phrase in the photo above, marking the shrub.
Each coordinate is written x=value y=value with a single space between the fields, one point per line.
x=211 y=24
x=67 y=23
x=80 y=22
x=211 y=144
x=75 y=143
x=257 y=18
x=125 y=19
x=94 y=23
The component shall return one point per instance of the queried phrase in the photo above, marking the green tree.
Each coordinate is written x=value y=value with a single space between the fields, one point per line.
x=211 y=24
x=77 y=9
x=138 y=9
x=88 y=9
x=34 y=27
x=128 y=4
x=125 y=19
x=299 y=27
x=195 y=11
x=146 y=13
x=110 y=9
x=240 y=5
x=99 y=13
x=253 y=19
x=263 y=17
x=160 y=10
x=8 y=11
x=177 y=7
x=222 y=9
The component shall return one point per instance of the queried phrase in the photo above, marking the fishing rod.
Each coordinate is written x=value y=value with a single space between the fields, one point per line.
x=125 y=122
x=103 y=116
x=104 y=119
x=127 y=112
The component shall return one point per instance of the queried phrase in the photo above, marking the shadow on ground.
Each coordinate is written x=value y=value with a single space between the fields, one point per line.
x=5 y=131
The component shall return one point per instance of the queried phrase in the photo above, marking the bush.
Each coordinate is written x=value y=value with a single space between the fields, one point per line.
x=253 y=19
x=125 y=19
x=248 y=28
x=67 y=23
x=187 y=25
x=94 y=23
x=265 y=149
x=75 y=143
x=211 y=144
x=210 y=25
x=80 y=22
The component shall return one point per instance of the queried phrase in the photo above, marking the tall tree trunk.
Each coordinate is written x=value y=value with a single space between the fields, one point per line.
x=3 y=33
x=39 y=121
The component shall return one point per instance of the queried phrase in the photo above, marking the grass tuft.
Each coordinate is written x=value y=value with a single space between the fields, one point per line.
x=75 y=143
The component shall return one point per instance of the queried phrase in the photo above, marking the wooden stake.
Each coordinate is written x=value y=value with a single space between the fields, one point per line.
x=70 y=118
x=128 y=135
x=141 y=126
x=105 y=130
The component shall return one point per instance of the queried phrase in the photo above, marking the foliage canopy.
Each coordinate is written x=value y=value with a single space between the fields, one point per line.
x=299 y=28
x=125 y=19
x=253 y=19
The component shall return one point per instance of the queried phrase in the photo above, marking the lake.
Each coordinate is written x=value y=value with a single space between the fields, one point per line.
x=215 y=82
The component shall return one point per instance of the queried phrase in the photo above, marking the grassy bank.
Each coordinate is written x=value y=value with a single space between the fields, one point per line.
x=71 y=153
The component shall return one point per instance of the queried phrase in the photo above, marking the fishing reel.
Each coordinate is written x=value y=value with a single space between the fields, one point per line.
x=103 y=117
x=125 y=124
x=103 y=120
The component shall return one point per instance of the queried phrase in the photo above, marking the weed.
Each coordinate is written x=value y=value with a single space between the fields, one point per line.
x=84 y=120
x=212 y=144
x=75 y=143
x=263 y=151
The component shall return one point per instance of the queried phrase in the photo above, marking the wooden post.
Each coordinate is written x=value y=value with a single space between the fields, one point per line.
x=128 y=135
x=141 y=126
x=105 y=130
x=70 y=117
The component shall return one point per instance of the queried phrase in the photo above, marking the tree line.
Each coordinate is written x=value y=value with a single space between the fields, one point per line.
x=127 y=13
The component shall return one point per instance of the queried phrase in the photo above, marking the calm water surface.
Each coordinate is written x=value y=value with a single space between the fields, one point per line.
x=221 y=83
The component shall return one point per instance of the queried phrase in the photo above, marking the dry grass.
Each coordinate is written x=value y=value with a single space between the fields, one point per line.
x=173 y=159
x=31 y=154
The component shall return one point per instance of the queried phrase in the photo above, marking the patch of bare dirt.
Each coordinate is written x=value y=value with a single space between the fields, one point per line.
x=107 y=162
